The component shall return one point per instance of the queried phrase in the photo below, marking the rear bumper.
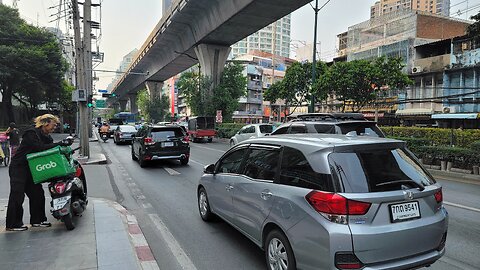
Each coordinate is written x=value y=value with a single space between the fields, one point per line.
x=415 y=262
x=167 y=155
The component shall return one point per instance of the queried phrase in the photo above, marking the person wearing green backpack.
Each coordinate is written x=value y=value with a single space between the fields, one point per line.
x=34 y=139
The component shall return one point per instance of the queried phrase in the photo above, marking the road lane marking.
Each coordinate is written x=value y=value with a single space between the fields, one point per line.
x=177 y=251
x=462 y=206
x=171 y=171
x=194 y=161
x=221 y=151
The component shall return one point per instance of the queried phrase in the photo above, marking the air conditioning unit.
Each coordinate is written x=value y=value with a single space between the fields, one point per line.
x=450 y=109
x=417 y=69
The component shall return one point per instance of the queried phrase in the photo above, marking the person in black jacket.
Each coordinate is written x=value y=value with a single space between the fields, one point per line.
x=34 y=139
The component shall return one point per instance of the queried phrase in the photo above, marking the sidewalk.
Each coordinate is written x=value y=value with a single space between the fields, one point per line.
x=106 y=237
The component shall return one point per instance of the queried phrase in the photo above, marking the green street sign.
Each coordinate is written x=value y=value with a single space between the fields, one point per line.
x=100 y=103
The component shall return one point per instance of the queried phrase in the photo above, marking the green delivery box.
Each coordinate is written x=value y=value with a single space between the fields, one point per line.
x=49 y=164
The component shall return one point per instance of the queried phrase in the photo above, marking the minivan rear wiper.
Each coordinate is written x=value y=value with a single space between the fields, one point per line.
x=418 y=185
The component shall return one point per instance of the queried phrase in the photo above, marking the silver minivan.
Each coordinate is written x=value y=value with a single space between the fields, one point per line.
x=324 y=201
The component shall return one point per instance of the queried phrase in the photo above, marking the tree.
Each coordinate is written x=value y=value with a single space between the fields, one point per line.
x=195 y=88
x=359 y=82
x=473 y=30
x=295 y=88
x=152 y=109
x=31 y=65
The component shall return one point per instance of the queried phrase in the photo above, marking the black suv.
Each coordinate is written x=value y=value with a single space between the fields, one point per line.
x=153 y=142
x=330 y=123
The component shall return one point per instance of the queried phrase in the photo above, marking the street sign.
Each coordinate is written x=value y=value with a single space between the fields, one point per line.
x=100 y=103
x=102 y=91
x=79 y=95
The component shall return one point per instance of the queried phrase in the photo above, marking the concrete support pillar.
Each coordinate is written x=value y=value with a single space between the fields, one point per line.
x=154 y=88
x=212 y=60
x=116 y=106
x=133 y=103
x=123 y=105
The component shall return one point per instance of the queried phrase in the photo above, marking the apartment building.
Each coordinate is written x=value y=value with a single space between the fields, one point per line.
x=263 y=40
x=380 y=8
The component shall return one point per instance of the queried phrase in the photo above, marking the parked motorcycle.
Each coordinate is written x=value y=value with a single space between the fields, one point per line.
x=69 y=193
x=104 y=136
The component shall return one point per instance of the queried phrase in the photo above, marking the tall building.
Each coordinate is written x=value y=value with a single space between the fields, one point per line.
x=124 y=65
x=166 y=5
x=263 y=40
x=382 y=7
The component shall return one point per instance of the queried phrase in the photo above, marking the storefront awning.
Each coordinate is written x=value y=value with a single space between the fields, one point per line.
x=414 y=111
x=456 y=116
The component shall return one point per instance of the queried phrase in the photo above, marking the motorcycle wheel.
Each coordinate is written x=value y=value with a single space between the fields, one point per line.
x=68 y=220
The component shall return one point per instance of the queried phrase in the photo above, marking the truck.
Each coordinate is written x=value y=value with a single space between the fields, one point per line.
x=201 y=128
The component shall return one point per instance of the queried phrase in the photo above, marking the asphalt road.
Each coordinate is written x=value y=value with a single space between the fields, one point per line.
x=163 y=197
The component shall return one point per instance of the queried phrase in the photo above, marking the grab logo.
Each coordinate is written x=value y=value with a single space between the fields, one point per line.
x=42 y=167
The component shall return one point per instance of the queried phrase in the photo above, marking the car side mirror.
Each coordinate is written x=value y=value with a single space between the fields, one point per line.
x=210 y=169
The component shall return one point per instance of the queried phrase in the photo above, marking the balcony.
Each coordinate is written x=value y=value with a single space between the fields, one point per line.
x=465 y=58
x=250 y=100
x=254 y=85
x=431 y=64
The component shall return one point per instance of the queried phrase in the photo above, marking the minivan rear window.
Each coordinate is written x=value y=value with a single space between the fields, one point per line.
x=378 y=170
x=160 y=135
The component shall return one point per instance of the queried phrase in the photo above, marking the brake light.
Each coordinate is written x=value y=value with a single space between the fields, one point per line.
x=347 y=260
x=186 y=139
x=439 y=196
x=60 y=187
x=335 y=207
x=78 y=172
x=148 y=141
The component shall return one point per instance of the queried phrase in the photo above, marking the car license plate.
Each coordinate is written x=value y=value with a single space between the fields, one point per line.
x=59 y=203
x=167 y=144
x=404 y=211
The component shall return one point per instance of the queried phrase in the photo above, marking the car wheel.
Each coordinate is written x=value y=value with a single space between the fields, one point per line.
x=184 y=161
x=142 y=161
x=210 y=140
x=133 y=154
x=278 y=252
x=204 y=206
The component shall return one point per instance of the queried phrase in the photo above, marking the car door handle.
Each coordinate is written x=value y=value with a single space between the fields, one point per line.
x=229 y=187
x=266 y=195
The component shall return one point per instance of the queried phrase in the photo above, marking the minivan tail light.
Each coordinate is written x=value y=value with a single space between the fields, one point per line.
x=439 y=196
x=347 y=260
x=335 y=207
x=148 y=141
x=186 y=139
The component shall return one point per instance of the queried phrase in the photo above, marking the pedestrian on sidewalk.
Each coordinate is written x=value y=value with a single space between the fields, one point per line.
x=14 y=138
x=35 y=139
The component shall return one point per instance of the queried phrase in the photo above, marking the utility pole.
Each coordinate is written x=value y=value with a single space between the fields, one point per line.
x=314 y=59
x=81 y=83
x=87 y=53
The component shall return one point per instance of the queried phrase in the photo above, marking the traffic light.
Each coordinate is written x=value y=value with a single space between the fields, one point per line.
x=90 y=101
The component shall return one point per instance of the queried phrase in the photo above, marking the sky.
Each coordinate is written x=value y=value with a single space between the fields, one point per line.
x=127 y=23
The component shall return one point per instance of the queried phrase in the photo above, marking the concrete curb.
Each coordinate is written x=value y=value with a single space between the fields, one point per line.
x=142 y=249
x=448 y=174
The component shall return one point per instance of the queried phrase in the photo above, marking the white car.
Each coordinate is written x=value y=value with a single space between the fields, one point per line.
x=251 y=131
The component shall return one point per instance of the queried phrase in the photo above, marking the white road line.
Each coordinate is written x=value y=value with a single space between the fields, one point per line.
x=462 y=206
x=177 y=251
x=221 y=151
x=171 y=171
x=191 y=160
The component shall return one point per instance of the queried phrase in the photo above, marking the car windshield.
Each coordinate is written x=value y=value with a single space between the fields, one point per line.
x=361 y=171
x=266 y=129
x=160 y=135
x=128 y=129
